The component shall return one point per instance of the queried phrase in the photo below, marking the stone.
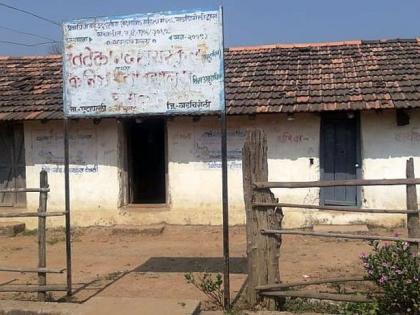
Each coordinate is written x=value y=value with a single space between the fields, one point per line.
x=11 y=228
x=150 y=230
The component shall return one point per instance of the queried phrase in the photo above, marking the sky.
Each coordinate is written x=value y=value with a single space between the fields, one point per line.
x=246 y=22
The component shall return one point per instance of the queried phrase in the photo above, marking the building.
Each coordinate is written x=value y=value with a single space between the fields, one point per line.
x=332 y=110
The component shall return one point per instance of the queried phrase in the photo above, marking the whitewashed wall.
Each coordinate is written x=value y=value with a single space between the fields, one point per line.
x=93 y=169
x=385 y=150
x=194 y=171
x=195 y=180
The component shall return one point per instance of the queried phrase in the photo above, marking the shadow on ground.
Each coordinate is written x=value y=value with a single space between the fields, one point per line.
x=192 y=264
x=83 y=292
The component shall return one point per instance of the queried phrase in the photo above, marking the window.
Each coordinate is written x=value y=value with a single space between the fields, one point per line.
x=12 y=164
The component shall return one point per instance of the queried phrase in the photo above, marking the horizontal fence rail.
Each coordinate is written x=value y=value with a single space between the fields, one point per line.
x=42 y=288
x=31 y=214
x=264 y=214
x=307 y=283
x=16 y=190
x=32 y=288
x=321 y=296
x=31 y=270
x=335 y=183
x=334 y=208
x=339 y=235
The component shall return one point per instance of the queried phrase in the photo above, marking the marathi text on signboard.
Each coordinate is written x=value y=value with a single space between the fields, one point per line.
x=163 y=63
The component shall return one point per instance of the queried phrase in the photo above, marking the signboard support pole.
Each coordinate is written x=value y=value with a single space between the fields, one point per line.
x=226 y=281
x=67 y=205
x=225 y=207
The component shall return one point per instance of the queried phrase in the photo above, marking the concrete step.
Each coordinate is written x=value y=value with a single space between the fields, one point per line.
x=104 y=306
x=9 y=307
x=143 y=306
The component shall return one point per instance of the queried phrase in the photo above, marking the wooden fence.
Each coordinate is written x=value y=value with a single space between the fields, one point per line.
x=264 y=217
x=42 y=287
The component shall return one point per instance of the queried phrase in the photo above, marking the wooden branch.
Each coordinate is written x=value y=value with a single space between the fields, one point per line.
x=338 y=235
x=262 y=252
x=32 y=288
x=34 y=270
x=332 y=208
x=15 y=190
x=413 y=220
x=319 y=296
x=8 y=282
x=334 y=183
x=42 y=237
x=31 y=214
x=307 y=283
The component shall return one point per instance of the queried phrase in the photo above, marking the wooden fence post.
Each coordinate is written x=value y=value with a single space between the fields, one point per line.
x=263 y=250
x=413 y=223
x=42 y=252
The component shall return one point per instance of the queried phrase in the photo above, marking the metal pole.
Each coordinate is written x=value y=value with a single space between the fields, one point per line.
x=225 y=207
x=225 y=213
x=67 y=205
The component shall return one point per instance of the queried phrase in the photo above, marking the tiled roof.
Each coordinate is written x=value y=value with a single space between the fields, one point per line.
x=275 y=78
x=318 y=77
x=30 y=88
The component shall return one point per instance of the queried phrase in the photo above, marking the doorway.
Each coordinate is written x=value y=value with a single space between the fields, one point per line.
x=340 y=157
x=12 y=165
x=146 y=140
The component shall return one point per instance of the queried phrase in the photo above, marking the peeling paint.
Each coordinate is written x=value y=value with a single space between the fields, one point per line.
x=107 y=60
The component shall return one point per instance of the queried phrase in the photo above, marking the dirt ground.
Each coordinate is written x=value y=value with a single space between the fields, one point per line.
x=118 y=263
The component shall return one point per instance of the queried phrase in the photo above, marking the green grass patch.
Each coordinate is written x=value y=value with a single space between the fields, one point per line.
x=27 y=232
x=298 y=305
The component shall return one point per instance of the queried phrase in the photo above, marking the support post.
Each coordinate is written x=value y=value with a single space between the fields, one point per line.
x=67 y=206
x=225 y=200
x=226 y=280
x=42 y=250
x=262 y=250
x=413 y=222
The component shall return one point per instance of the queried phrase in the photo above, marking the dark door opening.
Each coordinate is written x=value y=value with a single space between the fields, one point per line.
x=146 y=161
x=12 y=165
x=339 y=157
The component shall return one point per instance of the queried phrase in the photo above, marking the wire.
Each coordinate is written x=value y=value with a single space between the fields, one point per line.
x=26 y=33
x=26 y=45
x=29 y=13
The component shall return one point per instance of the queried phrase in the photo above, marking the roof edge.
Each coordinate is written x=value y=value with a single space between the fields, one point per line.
x=323 y=44
x=31 y=57
x=393 y=40
x=296 y=45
